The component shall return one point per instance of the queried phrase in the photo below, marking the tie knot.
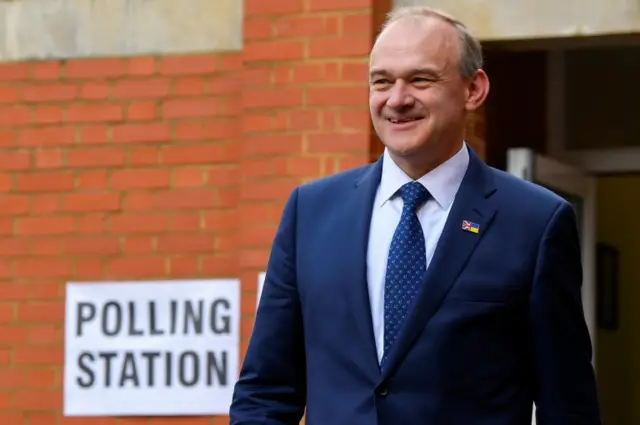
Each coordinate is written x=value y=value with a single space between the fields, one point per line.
x=414 y=194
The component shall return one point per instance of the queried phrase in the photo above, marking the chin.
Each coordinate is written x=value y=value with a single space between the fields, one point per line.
x=405 y=146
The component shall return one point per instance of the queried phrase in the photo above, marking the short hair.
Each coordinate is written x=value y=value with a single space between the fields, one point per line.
x=470 y=48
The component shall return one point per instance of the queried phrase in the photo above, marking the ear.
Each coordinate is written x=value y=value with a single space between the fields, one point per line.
x=477 y=90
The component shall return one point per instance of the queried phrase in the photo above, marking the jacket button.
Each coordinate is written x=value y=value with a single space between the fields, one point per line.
x=382 y=391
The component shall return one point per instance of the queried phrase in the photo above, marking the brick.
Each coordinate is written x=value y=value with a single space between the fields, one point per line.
x=206 y=130
x=47 y=114
x=59 y=268
x=13 y=292
x=186 y=199
x=187 y=178
x=45 y=182
x=94 y=68
x=45 y=247
x=38 y=400
x=224 y=85
x=92 y=180
x=338 y=142
x=49 y=70
x=14 y=71
x=90 y=245
x=272 y=145
x=268 y=190
x=222 y=176
x=189 y=87
x=256 y=76
x=12 y=378
x=49 y=158
x=272 y=7
x=184 y=222
x=45 y=204
x=133 y=133
x=94 y=134
x=142 y=89
x=44 y=334
x=355 y=71
x=6 y=182
x=89 y=268
x=337 y=5
x=138 y=244
x=14 y=115
x=50 y=93
x=306 y=26
x=81 y=158
x=14 y=205
x=189 y=65
x=140 y=178
x=354 y=46
x=143 y=110
x=186 y=108
x=13 y=161
x=9 y=94
x=337 y=96
x=94 y=113
x=6 y=229
x=85 y=202
x=136 y=267
x=7 y=138
x=56 y=225
x=47 y=136
x=140 y=201
x=141 y=66
x=13 y=247
x=182 y=266
x=176 y=244
x=220 y=220
x=138 y=223
x=304 y=120
x=231 y=62
x=256 y=28
x=144 y=156
x=192 y=154
x=263 y=51
x=272 y=98
x=360 y=23
x=95 y=90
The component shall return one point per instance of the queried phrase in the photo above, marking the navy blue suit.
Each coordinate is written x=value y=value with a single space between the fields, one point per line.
x=497 y=324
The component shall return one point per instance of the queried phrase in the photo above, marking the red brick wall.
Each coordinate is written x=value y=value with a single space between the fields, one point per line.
x=109 y=169
x=166 y=167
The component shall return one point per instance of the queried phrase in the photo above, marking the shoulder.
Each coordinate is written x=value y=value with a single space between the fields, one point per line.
x=335 y=183
x=527 y=200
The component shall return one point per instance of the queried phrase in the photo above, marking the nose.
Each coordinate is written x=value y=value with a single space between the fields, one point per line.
x=400 y=96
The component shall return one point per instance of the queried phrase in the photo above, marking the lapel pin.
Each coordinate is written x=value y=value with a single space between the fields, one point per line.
x=470 y=226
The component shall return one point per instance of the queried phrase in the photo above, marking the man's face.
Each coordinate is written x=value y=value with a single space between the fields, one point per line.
x=418 y=98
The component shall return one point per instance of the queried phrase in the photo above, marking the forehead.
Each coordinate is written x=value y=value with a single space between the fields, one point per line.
x=416 y=42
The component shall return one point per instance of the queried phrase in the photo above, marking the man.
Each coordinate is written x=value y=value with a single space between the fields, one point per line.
x=426 y=288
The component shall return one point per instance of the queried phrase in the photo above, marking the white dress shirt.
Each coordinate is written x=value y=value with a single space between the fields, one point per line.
x=443 y=183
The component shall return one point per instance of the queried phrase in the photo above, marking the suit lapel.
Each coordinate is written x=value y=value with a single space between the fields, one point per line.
x=454 y=249
x=352 y=258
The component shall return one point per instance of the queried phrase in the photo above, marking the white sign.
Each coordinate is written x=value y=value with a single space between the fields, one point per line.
x=261 y=277
x=153 y=349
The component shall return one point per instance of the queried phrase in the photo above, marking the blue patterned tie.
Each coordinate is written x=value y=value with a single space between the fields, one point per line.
x=406 y=265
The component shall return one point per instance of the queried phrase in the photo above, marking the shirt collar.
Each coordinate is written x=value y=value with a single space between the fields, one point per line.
x=442 y=182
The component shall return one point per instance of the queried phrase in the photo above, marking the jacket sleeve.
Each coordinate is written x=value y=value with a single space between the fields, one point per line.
x=272 y=383
x=565 y=385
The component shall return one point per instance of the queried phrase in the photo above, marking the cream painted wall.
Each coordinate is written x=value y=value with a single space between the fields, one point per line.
x=522 y=19
x=618 y=352
x=63 y=29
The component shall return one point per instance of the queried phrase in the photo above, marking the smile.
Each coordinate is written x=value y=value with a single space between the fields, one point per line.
x=402 y=120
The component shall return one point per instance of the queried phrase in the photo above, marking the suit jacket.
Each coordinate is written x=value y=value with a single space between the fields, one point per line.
x=497 y=325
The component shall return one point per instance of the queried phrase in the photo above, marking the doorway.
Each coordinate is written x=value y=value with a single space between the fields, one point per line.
x=585 y=148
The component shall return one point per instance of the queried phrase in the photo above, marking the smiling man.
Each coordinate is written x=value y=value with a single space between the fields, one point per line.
x=426 y=288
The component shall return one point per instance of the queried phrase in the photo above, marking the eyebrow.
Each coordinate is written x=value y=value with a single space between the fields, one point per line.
x=425 y=71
